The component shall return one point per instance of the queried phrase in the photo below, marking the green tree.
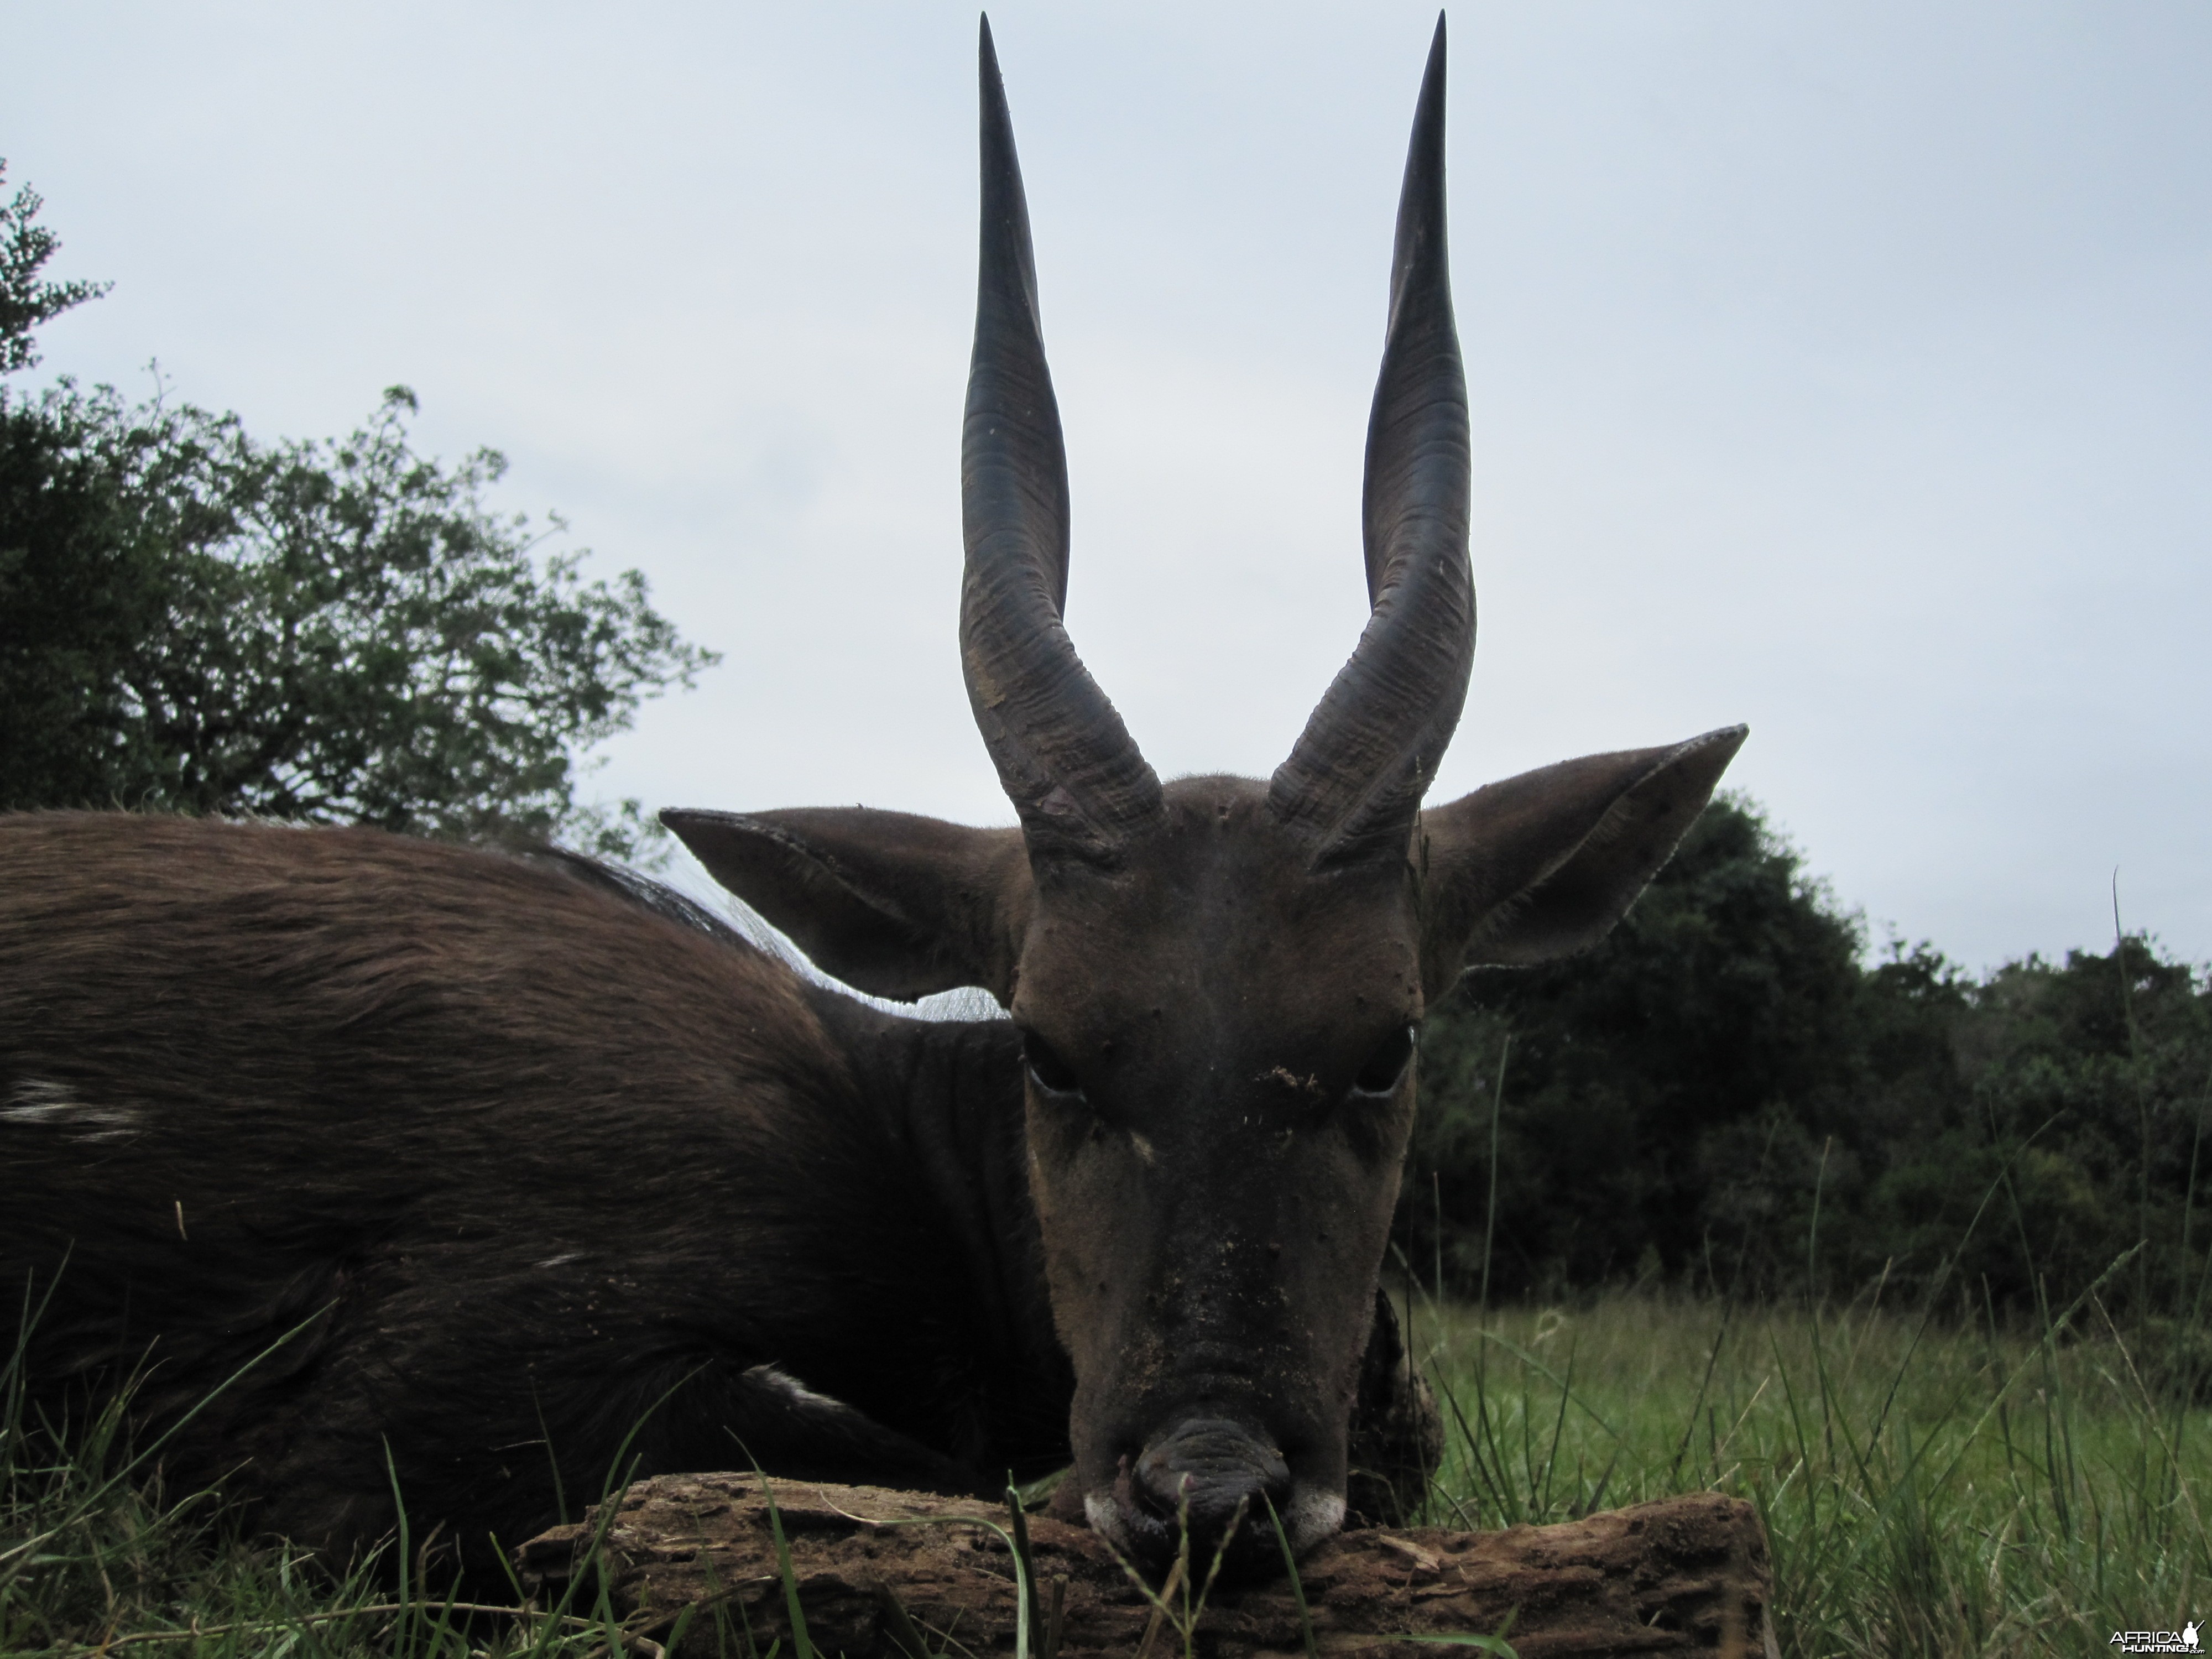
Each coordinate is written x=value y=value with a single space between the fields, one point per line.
x=1657 y=1086
x=2074 y=1125
x=1725 y=1094
x=342 y=632
x=26 y=300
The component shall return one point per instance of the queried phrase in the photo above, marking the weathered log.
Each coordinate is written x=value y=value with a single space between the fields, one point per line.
x=877 y=1569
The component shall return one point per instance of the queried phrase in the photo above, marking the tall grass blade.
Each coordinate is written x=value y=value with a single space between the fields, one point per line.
x=1297 y=1586
x=801 y=1643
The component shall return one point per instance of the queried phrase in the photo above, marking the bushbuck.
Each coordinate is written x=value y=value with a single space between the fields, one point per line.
x=470 y=1176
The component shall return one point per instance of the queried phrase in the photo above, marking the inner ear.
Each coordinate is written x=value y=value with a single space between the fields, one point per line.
x=1543 y=864
x=892 y=903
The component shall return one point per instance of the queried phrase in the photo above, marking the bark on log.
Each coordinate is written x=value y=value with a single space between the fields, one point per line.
x=1686 y=1576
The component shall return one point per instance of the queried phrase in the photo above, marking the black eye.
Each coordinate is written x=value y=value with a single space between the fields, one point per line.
x=1047 y=1070
x=1380 y=1075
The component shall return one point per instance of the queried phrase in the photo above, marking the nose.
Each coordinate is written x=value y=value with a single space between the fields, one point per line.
x=1203 y=1471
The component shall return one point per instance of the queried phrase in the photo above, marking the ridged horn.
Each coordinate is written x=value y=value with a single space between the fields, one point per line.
x=1064 y=757
x=1354 y=782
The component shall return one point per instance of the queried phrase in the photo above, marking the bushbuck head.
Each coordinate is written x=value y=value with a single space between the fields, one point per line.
x=1217 y=980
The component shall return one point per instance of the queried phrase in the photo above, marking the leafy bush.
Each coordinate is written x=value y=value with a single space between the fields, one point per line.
x=1723 y=1094
x=193 y=621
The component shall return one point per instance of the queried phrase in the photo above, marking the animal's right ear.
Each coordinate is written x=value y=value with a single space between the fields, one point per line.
x=893 y=904
x=1543 y=864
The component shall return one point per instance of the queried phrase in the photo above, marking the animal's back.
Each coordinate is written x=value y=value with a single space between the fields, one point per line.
x=489 y=1155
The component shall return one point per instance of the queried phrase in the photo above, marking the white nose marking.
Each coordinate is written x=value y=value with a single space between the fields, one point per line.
x=1104 y=1515
x=1313 y=1515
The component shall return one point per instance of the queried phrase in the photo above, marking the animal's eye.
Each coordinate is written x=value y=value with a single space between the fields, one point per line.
x=1380 y=1075
x=1047 y=1070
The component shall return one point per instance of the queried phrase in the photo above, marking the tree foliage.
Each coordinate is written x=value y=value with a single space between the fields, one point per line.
x=1724 y=1094
x=27 y=299
x=345 y=632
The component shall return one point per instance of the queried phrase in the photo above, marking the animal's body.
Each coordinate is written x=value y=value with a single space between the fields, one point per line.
x=492 y=1159
x=523 y=1154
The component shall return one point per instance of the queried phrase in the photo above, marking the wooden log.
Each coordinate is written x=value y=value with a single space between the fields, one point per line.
x=876 y=1569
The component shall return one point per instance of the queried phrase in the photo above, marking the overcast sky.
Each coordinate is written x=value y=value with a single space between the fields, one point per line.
x=1841 y=369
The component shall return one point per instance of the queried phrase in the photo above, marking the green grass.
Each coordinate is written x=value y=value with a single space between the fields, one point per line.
x=1926 y=1490
x=97 y=1556
x=1936 y=1488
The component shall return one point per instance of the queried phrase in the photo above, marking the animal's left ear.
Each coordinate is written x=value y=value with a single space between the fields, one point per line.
x=1543 y=864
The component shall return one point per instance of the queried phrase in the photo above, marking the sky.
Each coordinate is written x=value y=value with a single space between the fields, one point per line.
x=1843 y=370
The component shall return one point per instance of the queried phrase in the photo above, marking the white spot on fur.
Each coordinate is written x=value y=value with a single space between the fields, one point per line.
x=36 y=1101
x=789 y=1387
x=562 y=1260
x=966 y=1002
x=1144 y=1146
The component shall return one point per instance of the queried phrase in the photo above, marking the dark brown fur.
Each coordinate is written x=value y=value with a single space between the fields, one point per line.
x=490 y=1165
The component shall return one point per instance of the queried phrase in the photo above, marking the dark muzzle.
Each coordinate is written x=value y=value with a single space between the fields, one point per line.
x=1200 y=1475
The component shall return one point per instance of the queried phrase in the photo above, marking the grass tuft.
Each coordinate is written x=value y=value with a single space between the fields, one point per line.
x=1965 y=1491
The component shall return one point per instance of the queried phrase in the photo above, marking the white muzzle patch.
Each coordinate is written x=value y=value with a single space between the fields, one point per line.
x=1311 y=1515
